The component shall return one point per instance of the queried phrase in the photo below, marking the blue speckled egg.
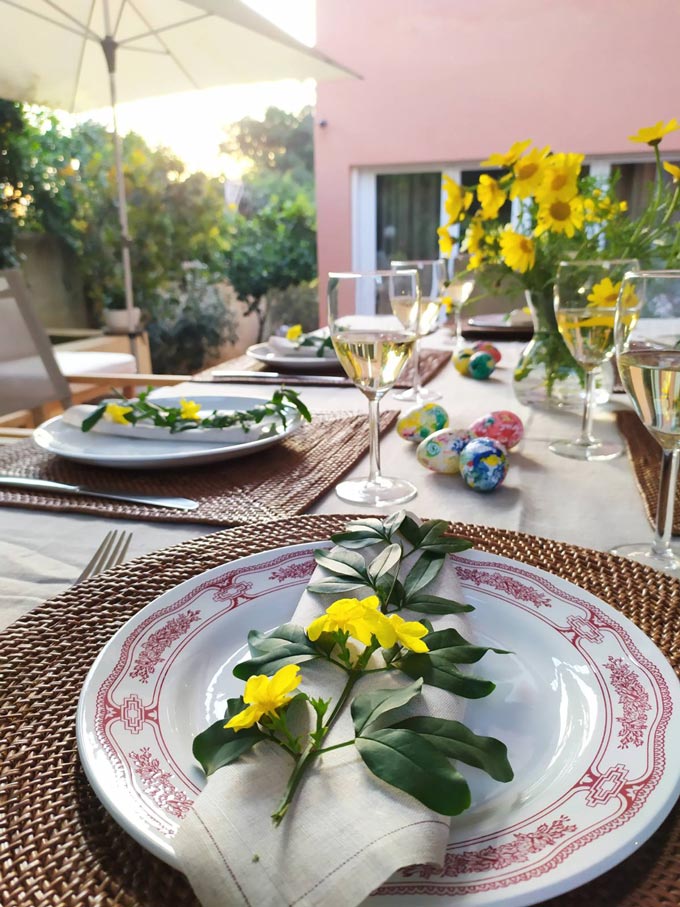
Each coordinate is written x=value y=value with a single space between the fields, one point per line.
x=461 y=359
x=483 y=464
x=481 y=365
x=441 y=451
x=421 y=422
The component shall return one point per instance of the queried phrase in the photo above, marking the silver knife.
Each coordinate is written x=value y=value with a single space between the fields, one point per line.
x=46 y=485
x=225 y=377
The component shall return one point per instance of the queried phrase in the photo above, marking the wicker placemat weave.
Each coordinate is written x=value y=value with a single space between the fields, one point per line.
x=431 y=362
x=645 y=455
x=63 y=850
x=280 y=481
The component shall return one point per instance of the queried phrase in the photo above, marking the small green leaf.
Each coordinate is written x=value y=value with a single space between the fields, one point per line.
x=423 y=572
x=407 y=761
x=448 y=546
x=368 y=707
x=393 y=522
x=355 y=539
x=449 y=644
x=93 y=418
x=410 y=530
x=435 y=604
x=217 y=746
x=334 y=585
x=445 y=675
x=342 y=562
x=287 y=644
x=368 y=522
x=388 y=558
x=431 y=532
x=456 y=741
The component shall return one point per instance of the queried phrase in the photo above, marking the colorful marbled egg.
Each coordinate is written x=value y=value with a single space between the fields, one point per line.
x=483 y=464
x=483 y=346
x=501 y=425
x=421 y=422
x=461 y=359
x=481 y=365
x=441 y=451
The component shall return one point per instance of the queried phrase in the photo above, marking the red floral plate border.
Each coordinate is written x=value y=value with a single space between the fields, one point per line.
x=587 y=704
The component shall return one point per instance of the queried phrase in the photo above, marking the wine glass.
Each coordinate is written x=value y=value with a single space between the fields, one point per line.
x=457 y=294
x=421 y=317
x=585 y=296
x=372 y=349
x=647 y=337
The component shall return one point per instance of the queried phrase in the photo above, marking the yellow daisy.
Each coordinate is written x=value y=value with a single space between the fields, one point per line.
x=528 y=173
x=189 y=409
x=458 y=200
x=491 y=196
x=517 y=251
x=560 y=175
x=604 y=294
x=474 y=236
x=509 y=158
x=445 y=240
x=560 y=215
x=652 y=135
x=673 y=170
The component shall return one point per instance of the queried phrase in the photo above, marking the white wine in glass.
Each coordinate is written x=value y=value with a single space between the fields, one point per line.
x=647 y=337
x=420 y=314
x=586 y=294
x=372 y=350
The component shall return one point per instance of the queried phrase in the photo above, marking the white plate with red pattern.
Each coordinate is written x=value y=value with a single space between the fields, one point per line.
x=587 y=705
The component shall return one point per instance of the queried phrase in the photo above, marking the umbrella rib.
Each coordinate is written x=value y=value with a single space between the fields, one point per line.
x=88 y=30
x=119 y=17
x=155 y=33
x=81 y=58
x=31 y=12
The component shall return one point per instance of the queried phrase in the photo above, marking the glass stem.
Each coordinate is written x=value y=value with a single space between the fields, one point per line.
x=373 y=439
x=415 y=359
x=458 y=321
x=666 y=503
x=586 y=437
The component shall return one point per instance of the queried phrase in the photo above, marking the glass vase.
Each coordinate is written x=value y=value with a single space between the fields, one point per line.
x=547 y=375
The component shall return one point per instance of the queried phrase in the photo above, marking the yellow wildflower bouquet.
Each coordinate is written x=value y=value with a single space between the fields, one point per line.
x=560 y=214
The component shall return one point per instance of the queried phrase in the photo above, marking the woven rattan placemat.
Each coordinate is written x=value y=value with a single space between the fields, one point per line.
x=278 y=482
x=431 y=362
x=645 y=455
x=63 y=850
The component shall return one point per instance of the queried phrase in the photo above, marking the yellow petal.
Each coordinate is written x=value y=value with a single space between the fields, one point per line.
x=245 y=718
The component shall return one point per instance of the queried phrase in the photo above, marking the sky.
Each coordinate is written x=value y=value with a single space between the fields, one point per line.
x=192 y=124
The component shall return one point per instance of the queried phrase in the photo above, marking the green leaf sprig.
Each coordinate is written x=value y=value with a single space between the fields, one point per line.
x=142 y=410
x=316 y=340
x=416 y=754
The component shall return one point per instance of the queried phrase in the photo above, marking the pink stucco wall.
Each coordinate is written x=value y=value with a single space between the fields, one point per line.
x=452 y=80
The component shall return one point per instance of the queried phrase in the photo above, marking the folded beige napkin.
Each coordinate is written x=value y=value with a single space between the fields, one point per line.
x=75 y=415
x=345 y=833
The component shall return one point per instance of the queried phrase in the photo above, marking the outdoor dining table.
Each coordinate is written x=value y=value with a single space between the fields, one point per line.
x=547 y=507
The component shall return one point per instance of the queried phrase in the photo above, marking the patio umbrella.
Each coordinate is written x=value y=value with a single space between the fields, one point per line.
x=52 y=55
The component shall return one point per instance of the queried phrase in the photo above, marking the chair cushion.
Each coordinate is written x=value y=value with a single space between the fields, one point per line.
x=94 y=362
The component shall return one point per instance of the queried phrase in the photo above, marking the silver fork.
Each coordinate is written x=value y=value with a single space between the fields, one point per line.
x=110 y=553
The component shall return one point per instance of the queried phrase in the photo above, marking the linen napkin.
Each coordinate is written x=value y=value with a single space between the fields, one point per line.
x=346 y=831
x=75 y=415
x=283 y=347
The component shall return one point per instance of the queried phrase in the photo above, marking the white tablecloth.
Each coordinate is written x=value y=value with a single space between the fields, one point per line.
x=592 y=504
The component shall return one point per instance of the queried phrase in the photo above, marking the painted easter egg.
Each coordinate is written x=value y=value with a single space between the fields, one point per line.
x=481 y=365
x=461 y=359
x=483 y=464
x=441 y=451
x=483 y=346
x=421 y=422
x=501 y=425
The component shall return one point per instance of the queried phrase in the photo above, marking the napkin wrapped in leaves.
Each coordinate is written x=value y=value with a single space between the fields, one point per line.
x=380 y=795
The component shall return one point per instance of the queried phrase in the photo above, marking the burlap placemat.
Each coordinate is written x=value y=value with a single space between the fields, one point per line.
x=63 y=850
x=431 y=362
x=645 y=455
x=278 y=482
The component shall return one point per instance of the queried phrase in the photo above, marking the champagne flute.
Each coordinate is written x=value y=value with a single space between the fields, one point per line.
x=647 y=337
x=372 y=349
x=422 y=317
x=585 y=307
x=457 y=294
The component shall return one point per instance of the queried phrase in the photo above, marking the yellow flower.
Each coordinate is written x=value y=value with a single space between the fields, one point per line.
x=458 y=200
x=474 y=236
x=265 y=696
x=560 y=215
x=447 y=303
x=604 y=294
x=528 y=173
x=517 y=251
x=560 y=175
x=445 y=240
x=350 y=615
x=491 y=196
x=116 y=413
x=408 y=633
x=652 y=135
x=189 y=409
x=673 y=170
x=294 y=332
x=509 y=158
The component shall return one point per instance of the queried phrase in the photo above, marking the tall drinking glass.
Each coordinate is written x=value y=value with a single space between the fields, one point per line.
x=457 y=294
x=372 y=349
x=585 y=307
x=422 y=318
x=647 y=336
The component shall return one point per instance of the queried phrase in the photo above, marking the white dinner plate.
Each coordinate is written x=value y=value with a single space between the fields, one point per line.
x=499 y=321
x=56 y=437
x=263 y=353
x=587 y=705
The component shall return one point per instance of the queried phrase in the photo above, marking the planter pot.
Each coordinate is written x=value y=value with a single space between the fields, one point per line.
x=118 y=320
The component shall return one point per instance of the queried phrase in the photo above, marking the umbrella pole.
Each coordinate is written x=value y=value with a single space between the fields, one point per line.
x=109 y=47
